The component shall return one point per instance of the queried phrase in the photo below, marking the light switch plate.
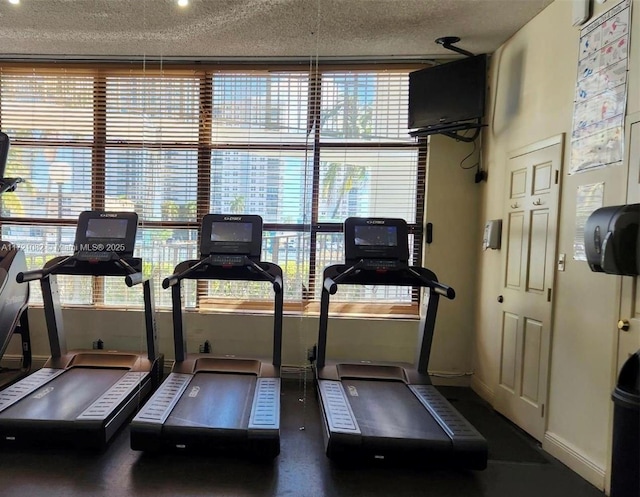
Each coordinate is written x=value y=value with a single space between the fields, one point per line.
x=561 y=261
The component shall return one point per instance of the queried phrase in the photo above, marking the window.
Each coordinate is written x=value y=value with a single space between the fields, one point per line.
x=304 y=150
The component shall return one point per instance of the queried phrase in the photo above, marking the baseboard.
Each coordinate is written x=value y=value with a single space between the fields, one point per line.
x=571 y=457
x=482 y=389
x=445 y=379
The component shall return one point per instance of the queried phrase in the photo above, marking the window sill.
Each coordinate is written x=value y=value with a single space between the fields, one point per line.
x=340 y=310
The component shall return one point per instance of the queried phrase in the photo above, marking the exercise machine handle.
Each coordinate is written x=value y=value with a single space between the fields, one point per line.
x=434 y=286
x=9 y=184
x=275 y=280
x=444 y=290
x=277 y=284
x=331 y=284
x=26 y=276
x=174 y=279
x=170 y=281
x=133 y=279
x=38 y=274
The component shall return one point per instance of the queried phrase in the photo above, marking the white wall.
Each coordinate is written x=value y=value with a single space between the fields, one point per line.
x=452 y=206
x=532 y=83
x=354 y=339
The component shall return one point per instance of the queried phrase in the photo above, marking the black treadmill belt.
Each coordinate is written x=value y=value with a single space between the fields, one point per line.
x=64 y=397
x=388 y=409
x=214 y=401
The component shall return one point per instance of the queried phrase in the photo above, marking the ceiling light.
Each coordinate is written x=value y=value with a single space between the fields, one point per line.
x=181 y=3
x=14 y=2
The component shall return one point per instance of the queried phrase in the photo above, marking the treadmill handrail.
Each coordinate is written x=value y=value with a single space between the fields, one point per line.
x=39 y=274
x=130 y=268
x=9 y=184
x=203 y=269
x=403 y=275
x=210 y=271
x=176 y=278
x=119 y=266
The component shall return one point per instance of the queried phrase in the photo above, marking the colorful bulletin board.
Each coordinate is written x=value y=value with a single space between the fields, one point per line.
x=597 y=138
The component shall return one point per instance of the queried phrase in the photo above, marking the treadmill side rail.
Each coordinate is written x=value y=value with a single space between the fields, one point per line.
x=156 y=411
x=26 y=386
x=340 y=417
x=104 y=406
x=265 y=411
x=463 y=435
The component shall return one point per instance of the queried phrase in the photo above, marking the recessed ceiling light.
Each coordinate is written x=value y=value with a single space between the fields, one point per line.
x=181 y=3
x=14 y=2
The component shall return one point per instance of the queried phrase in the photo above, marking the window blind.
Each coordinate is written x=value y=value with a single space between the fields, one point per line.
x=303 y=149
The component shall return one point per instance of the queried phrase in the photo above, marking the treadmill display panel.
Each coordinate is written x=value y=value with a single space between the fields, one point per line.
x=107 y=228
x=375 y=239
x=381 y=236
x=231 y=232
x=223 y=234
x=99 y=231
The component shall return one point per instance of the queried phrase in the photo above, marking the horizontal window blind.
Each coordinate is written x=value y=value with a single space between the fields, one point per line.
x=303 y=149
x=368 y=167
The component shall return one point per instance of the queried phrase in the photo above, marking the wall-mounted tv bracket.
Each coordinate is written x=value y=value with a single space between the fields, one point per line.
x=448 y=43
x=451 y=131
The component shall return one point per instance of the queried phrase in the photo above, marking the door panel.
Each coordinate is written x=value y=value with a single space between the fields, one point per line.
x=629 y=341
x=509 y=350
x=538 y=251
x=542 y=175
x=518 y=184
x=531 y=211
x=531 y=362
x=514 y=249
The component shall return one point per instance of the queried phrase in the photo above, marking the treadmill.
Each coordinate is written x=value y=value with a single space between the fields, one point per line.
x=218 y=402
x=13 y=296
x=81 y=398
x=385 y=411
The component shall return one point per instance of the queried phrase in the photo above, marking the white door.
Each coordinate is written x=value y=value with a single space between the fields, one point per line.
x=529 y=248
x=629 y=339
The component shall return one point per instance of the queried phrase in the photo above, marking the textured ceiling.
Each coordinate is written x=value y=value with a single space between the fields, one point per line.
x=258 y=28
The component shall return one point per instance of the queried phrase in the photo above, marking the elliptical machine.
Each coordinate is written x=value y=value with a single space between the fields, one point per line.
x=13 y=296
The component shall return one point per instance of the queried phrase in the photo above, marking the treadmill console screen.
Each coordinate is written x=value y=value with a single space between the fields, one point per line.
x=384 y=236
x=99 y=231
x=107 y=228
x=231 y=235
x=231 y=232
x=375 y=239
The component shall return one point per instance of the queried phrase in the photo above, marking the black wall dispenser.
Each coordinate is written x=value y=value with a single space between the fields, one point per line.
x=611 y=240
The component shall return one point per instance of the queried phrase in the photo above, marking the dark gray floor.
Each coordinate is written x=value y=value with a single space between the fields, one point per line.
x=517 y=468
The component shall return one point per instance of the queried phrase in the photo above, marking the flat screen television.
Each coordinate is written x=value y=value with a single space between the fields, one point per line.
x=448 y=93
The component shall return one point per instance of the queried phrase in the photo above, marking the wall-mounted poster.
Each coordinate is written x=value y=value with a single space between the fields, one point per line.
x=588 y=199
x=601 y=91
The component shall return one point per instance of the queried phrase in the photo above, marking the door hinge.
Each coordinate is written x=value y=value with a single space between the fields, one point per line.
x=548 y=294
x=557 y=176
x=542 y=411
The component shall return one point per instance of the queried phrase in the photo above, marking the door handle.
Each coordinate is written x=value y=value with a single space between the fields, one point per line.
x=623 y=325
x=515 y=206
x=500 y=299
x=538 y=202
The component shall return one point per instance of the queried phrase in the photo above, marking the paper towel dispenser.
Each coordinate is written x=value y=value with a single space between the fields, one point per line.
x=611 y=240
